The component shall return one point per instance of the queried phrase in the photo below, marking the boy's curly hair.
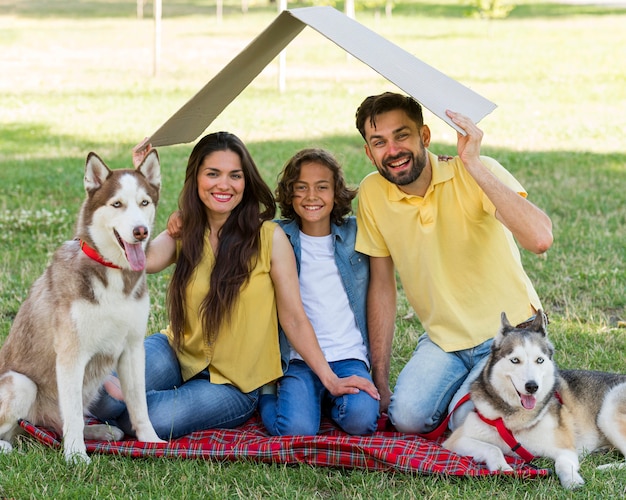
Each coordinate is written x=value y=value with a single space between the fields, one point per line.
x=291 y=172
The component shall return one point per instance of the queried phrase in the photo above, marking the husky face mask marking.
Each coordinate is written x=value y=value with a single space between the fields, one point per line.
x=124 y=203
x=525 y=369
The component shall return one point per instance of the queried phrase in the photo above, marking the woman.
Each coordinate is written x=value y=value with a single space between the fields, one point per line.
x=235 y=272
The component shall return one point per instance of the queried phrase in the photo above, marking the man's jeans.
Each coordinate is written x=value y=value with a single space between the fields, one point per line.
x=431 y=384
x=302 y=399
x=175 y=407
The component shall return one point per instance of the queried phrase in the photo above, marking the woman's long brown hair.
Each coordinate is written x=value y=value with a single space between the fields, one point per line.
x=238 y=239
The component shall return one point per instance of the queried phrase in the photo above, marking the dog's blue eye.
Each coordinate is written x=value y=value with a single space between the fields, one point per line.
x=539 y=361
x=515 y=361
x=145 y=203
x=116 y=204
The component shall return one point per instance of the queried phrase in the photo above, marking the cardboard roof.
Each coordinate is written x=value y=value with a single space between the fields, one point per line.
x=434 y=90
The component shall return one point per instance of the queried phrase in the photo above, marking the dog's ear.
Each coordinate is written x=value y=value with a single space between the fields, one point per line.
x=96 y=172
x=505 y=321
x=151 y=168
x=505 y=328
x=539 y=324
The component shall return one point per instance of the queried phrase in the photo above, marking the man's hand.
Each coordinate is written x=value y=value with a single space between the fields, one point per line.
x=385 y=399
x=468 y=146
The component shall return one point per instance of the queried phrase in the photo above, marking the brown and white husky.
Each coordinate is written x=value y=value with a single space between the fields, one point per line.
x=86 y=315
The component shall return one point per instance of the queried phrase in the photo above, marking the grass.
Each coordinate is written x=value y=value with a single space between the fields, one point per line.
x=77 y=77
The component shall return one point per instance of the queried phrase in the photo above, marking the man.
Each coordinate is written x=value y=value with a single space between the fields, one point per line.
x=448 y=229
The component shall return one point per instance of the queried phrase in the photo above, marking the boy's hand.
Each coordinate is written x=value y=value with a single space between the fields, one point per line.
x=175 y=225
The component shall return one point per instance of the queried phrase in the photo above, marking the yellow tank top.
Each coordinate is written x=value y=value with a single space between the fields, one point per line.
x=246 y=352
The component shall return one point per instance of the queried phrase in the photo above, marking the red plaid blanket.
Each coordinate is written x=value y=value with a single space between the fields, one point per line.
x=382 y=451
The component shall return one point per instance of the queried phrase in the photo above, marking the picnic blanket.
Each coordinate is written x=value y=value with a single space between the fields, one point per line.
x=384 y=450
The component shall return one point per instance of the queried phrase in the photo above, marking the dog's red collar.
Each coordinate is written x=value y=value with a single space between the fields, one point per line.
x=93 y=254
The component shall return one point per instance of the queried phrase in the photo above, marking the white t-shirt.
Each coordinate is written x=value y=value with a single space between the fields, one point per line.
x=326 y=303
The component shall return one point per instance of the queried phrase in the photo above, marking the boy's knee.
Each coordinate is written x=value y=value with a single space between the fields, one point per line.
x=359 y=416
x=361 y=426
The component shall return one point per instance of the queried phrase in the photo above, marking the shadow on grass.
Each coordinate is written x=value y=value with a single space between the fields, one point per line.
x=75 y=9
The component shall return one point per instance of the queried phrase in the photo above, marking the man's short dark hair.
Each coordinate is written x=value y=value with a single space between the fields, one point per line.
x=374 y=105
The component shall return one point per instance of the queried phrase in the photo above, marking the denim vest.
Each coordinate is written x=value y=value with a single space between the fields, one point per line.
x=353 y=266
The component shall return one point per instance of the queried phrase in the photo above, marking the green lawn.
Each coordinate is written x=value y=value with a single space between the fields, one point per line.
x=77 y=76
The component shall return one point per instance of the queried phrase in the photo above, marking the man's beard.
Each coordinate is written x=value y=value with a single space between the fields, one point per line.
x=417 y=166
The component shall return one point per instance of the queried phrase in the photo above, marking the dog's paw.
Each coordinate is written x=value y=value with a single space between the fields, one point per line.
x=145 y=432
x=77 y=458
x=571 y=481
x=501 y=467
x=5 y=447
x=155 y=439
x=149 y=436
x=497 y=463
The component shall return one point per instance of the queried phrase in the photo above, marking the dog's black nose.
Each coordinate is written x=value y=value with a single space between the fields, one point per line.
x=531 y=387
x=140 y=233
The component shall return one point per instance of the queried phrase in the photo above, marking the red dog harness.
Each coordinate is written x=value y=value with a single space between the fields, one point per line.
x=505 y=434
x=508 y=436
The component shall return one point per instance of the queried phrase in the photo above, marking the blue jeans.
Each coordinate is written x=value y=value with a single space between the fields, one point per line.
x=302 y=399
x=431 y=384
x=175 y=407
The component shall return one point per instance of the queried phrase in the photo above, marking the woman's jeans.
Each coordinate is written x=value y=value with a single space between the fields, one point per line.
x=432 y=382
x=302 y=400
x=175 y=407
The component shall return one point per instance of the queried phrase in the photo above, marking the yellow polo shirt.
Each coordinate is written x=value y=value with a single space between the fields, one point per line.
x=246 y=353
x=459 y=266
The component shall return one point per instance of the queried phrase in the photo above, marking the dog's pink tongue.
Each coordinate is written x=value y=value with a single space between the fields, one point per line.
x=135 y=255
x=528 y=401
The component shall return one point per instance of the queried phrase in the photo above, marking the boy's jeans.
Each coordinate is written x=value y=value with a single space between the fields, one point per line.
x=302 y=399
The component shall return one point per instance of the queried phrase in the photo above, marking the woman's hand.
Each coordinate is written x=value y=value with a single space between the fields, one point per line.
x=140 y=151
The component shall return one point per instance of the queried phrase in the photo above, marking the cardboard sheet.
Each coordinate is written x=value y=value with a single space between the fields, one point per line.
x=433 y=89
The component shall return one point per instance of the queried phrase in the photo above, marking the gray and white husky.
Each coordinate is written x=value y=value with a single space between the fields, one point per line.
x=86 y=316
x=558 y=414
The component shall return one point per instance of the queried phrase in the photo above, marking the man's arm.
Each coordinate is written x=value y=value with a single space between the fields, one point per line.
x=381 y=322
x=530 y=226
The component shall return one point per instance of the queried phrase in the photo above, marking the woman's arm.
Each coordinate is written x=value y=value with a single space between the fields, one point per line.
x=161 y=253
